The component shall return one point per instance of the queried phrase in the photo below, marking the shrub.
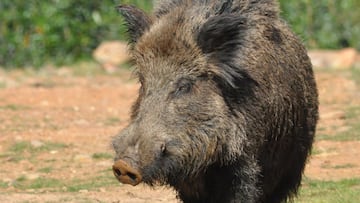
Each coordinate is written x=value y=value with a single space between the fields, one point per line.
x=323 y=23
x=34 y=32
x=61 y=31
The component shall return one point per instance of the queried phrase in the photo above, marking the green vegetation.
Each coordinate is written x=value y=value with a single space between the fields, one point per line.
x=86 y=69
x=102 y=156
x=45 y=170
x=355 y=75
x=352 y=118
x=3 y=184
x=342 y=191
x=23 y=146
x=13 y=107
x=344 y=166
x=39 y=183
x=316 y=151
x=61 y=32
x=2 y=85
x=323 y=23
x=94 y=183
x=112 y=121
x=25 y=150
x=55 y=185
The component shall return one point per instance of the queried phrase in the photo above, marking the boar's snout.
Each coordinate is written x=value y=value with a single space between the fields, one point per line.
x=126 y=174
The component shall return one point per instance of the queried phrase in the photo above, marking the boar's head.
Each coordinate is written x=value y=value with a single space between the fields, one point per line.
x=186 y=116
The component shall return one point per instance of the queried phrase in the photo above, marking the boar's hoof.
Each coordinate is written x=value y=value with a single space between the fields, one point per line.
x=126 y=174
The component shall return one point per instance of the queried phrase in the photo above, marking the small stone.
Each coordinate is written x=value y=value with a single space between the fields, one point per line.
x=36 y=143
x=81 y=122
x=83 y=191
x=53 y=152
x=110 y=54
x=336 y=59
x=32 y=176
x=18 y=138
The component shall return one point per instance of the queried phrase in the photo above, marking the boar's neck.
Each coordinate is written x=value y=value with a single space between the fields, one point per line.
x=214 y=185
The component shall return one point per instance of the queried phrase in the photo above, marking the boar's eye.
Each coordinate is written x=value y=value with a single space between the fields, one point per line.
x=183 y=86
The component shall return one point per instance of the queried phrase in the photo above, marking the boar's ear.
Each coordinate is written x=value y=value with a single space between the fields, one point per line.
x=137 y=21
x=221 y=33
x=221 y=36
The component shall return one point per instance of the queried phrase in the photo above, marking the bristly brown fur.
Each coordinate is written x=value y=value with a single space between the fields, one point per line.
x=228 y=105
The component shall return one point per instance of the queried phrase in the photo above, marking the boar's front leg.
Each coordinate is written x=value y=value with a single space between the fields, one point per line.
x=246 y=181
x=226 y=183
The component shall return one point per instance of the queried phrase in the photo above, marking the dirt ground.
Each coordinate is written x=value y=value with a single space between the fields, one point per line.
x=84 y=112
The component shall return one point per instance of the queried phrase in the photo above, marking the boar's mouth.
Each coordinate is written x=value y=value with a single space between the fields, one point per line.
x=126 y=174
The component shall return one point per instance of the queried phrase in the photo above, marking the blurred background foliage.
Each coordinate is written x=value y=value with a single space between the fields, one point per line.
x=34 y=32
x=329 y=24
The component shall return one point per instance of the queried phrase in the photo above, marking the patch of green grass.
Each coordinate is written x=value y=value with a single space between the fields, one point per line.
x=97 y=182
x=45 y=170
x=317 y=151
x=343 y=191
x=87 y=68
x=111 y=121
x=329 y=166
x=2 y=85
x=352 y=119
x=23 y=146
x=20 y=147
x=12 y=157
x=50 y=160
x=39 y=183
x=344 y=166
x=4 y=155
x=102 y=155
x=25 y=150
x=14 y=107
x=45 y=183
x=77 y=199
x=353 y=134
x=104 y=179
x=350 y=135
x=48 y=146
x=21 y=178
x=319 y=136
x=3 y=184
x=355 y=75
x=353 y=112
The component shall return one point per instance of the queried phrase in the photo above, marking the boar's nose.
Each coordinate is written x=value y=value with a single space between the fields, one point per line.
x=126 y=174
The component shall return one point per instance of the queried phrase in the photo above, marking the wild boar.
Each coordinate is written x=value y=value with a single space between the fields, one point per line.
x=228 y=104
